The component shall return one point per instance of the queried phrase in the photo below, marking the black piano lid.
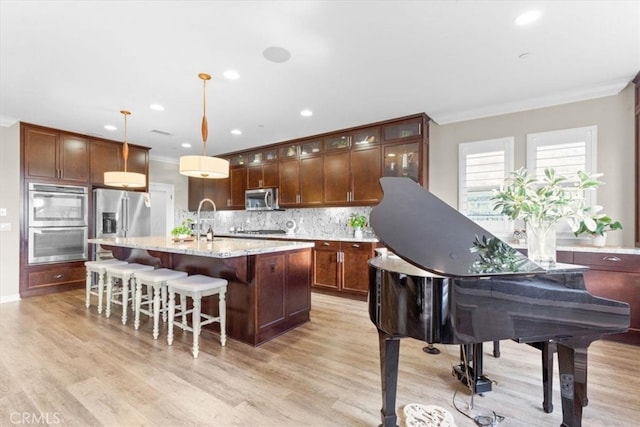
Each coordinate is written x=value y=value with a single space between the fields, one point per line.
x=428 y=233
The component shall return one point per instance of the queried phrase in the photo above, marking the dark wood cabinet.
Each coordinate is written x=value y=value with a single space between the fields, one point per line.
x=337 y=185
x=283 y=291
x=237 y=187
x=55 y=156
x=50 y=155
x=335 y=169
x=352 y=176
x=264 y=175
x=49 y=278
x=637 y=156
x=615 y=276
x=342 y=266
x=300 y=182
x=105 y=157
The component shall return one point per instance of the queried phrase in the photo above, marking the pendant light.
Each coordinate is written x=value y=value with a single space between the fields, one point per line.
x=125 y=179
x=204 y=166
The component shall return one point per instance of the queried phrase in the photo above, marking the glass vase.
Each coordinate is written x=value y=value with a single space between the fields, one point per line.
x=541 y=243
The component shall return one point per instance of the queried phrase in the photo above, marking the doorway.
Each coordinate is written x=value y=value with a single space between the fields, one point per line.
x=162 y=208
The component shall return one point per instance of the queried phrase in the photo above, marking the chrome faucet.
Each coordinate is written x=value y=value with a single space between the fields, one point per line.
x=198 y=216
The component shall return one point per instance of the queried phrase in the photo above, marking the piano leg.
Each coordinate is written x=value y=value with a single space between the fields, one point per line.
x=496 y=349
x=572 y=365
x=389 y=353
x=547 y=375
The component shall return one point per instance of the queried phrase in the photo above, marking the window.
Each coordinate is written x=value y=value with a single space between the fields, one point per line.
x=483 y=166
x=567 y=151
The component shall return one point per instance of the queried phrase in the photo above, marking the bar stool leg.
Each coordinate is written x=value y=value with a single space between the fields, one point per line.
x=100 y=291
x=138 y=302
x=172 y=313
x=196 y=323
x=125 y=299
x=87 y=301
x=222 y=311
x=109 y=292
x=163 y=291
x=156 y=309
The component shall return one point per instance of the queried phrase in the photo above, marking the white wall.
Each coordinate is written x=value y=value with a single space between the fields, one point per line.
x=614 y=117
x=10 y=200
x=168 y=173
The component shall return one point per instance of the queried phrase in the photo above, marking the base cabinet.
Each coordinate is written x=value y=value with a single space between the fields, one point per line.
x=45 y=279
x=342 y=267
x=615 y=276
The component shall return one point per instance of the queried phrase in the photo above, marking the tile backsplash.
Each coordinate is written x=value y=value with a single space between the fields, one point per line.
x=309 y=221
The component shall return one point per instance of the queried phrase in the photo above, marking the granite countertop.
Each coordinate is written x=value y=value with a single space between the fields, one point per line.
x=220 y=247
x=298 y=236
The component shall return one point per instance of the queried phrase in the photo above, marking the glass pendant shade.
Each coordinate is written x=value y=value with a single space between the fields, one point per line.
x=204 y=166
x=123 y=178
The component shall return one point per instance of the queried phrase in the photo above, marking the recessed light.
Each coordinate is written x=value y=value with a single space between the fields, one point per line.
x=186 y=145
x=156 y=107
x=528 y=17
x=306 y=113
x=231 y=74
x=110 y=127
x=236 y=132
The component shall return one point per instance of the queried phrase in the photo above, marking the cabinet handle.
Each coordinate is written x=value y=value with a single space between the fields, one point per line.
x=260 y=183
x=419 y=128
x=611 y=258
x=355 y=245
x=58 y=276
x=325 y=244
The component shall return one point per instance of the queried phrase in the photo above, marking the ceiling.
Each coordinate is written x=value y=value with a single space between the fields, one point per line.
x=74 y=65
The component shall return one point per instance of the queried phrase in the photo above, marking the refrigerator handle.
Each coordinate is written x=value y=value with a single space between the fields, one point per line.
x=125 y=217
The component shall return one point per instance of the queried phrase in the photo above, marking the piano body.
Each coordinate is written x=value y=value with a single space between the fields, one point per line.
x=433 y=288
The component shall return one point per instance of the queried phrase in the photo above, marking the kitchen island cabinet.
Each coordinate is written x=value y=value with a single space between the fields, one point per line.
x=269 y=290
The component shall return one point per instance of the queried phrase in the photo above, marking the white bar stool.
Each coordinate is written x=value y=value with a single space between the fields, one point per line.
x=93 y=288
x=156 y=279
x=196 y=287
x=126 y=273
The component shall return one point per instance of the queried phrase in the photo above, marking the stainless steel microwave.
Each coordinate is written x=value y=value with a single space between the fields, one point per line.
x=261 y=199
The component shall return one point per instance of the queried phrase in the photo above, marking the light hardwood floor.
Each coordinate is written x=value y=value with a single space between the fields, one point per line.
x=63 y=363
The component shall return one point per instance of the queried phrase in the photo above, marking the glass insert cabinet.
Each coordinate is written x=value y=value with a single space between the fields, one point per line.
x=402 y=160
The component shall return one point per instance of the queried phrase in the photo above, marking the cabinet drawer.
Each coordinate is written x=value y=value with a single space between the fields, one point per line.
x=608 y=261
x=56 y=276
x=357 y=246
x=328 y=245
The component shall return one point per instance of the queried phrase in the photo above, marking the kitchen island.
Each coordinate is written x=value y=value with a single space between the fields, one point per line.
x=269 y=291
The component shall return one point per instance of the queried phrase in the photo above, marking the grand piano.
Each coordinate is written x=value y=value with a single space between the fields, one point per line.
x=450 y=281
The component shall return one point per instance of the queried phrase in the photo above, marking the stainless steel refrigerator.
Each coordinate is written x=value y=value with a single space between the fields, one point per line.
x=118 y=213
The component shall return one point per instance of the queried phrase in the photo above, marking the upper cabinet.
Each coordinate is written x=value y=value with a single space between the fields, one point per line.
x=55 y=156
x=340 y=168
x=262 y=169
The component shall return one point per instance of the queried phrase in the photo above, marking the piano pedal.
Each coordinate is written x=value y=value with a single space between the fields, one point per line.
x=480 y=385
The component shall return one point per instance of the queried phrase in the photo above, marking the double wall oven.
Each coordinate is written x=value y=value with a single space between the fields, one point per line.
x=58 y=223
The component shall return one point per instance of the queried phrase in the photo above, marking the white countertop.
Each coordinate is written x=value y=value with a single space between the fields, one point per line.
x=220 y=247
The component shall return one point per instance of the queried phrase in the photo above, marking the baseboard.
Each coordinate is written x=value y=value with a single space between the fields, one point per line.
x=9 y=298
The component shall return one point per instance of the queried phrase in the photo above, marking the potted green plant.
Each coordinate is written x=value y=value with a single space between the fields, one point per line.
x=182 y=231
x=357 y=222
x=596 y=225
x=541 y=203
